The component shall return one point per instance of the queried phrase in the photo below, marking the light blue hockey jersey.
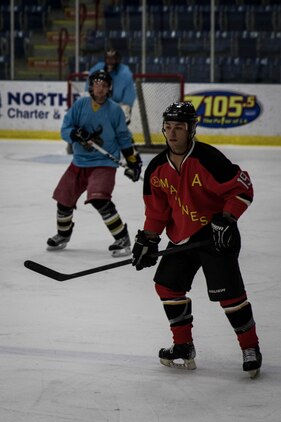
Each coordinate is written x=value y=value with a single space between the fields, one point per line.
x=110 y=118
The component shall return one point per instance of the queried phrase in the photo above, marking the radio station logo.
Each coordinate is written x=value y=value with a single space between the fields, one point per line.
x=224 y=109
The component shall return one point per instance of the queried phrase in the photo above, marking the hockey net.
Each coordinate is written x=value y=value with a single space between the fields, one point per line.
x=155 y=92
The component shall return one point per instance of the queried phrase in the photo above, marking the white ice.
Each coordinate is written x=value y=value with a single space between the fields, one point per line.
x=86 y=350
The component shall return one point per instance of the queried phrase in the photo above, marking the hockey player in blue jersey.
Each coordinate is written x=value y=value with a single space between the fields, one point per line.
x=95 y=118
x=124 y=92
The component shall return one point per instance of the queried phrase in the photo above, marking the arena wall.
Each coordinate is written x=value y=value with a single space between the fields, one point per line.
x=228 y=113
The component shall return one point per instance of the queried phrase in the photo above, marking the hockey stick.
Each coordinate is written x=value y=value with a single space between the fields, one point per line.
x=110 y=156
x=55 y=275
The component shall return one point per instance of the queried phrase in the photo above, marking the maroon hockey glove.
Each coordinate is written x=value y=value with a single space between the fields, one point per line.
x=225 y=233
x=142 y=249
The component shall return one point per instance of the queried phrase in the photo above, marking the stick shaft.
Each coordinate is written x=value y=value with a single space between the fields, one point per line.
x=110 y=156
x=55 y=275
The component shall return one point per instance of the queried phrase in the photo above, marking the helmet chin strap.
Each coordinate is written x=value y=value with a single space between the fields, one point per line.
x=189 y=140
x=179 y=153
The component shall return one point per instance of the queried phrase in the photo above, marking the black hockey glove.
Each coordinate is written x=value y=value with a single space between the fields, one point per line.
x=225 y=233
x=83 y=137
x=95 y=137
x=134 y=164
x=142 y=249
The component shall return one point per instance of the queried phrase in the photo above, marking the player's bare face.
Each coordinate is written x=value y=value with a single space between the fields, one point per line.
x=176 y=134
x=100 y=91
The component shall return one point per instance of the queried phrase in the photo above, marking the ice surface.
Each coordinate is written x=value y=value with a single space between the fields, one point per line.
x=86 y=350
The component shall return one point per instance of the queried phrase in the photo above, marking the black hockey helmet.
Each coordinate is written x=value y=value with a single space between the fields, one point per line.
x=100 y=75
x=180 y=112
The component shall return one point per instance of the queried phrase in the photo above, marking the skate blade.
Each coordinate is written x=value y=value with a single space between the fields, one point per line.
x=118 y=253
x=254 y=373
x=56 y=248
x=188 y=364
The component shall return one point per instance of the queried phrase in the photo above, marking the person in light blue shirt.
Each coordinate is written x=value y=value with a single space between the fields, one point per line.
x=95 y=119
x=124 y=92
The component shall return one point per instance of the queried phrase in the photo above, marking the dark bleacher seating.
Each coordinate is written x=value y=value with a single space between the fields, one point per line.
x=198 y=69
x=182 y=2
x=54 y=4
x=114 y=18
x=247 y=38
x=194 y=69
x=202 y=2
x=246 y=44
x=230 y=70
x=160 y=18
x=269 y=44
x=136 y=43
x=194 y=43
x=180 y=65
x=204 y=18
x=154 y=65
x=4 y=67
x=256 y=70
x=249 y=70
x=231 y=2
x=264 y=18
x=119 y=40
x=168 y=43
x=95 y=42
x=85 y=63
x=133 y=62
x=186 y=18
x=133 y=18
x=35 y=18
x=152 y=43
x=4 y=44
x=225 y=43
x=30 y=3
x=22 y=44
x=269 y=70
x=126 y=3
x=235 y=18
x=5 y=18
x=253 y=2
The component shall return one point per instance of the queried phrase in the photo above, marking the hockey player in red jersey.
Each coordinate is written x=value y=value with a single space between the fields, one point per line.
x=196 y=194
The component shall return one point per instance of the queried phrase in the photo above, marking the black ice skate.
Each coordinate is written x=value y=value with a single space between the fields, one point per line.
x=57 y=242
x=252 y=360
x=121 y=247
x=184 y=352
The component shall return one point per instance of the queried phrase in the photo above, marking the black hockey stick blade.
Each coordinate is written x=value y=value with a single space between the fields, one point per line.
x=55 y=275
x=48 y=272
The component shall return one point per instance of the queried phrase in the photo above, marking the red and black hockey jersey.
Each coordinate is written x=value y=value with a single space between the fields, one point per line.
x=183 y=202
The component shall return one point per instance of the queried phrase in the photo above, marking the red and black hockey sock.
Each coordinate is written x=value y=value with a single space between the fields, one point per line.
x=240 y=315
x=178 y=309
